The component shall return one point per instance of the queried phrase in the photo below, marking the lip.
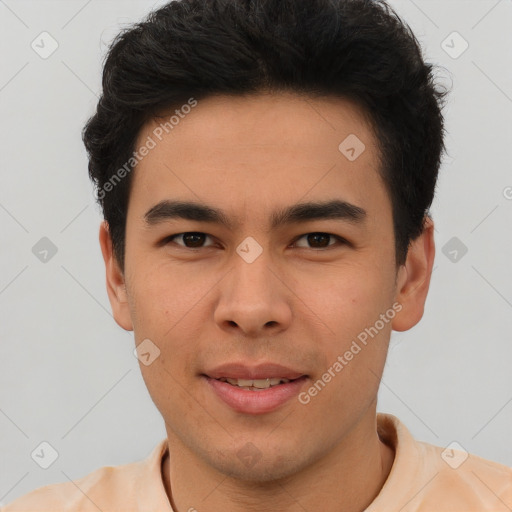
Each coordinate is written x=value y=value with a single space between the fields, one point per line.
x=255 y=402
x=261 y=371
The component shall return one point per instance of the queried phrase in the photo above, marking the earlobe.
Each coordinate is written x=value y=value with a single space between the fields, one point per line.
x=116 y=286
x=414 y=279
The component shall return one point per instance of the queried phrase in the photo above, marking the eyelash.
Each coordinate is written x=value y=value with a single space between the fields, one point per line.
x=341 y=240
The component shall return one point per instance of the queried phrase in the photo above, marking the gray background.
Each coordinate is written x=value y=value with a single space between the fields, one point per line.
x=68 y=375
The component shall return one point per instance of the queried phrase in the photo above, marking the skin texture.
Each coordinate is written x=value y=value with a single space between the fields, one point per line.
x=298 y=304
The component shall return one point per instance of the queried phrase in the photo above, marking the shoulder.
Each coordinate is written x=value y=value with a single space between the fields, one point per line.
x=81 y=494
x=467 y=479
x=426 y=477
x=106 y=488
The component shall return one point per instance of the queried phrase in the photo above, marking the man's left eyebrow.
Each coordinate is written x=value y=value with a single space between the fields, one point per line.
x=305 y=212
x=295 y=214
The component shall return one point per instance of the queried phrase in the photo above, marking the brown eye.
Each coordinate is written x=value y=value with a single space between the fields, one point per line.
x=190 y=240
x=320 y=240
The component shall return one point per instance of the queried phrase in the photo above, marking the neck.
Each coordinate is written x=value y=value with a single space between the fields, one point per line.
x=347 y=478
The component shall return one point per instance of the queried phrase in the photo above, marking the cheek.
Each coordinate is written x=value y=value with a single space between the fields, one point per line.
x=346 y=294
x=164 y=293
x=169 y=309
x=349 y=301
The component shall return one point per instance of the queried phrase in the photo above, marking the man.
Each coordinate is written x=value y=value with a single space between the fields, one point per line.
x=265 y=170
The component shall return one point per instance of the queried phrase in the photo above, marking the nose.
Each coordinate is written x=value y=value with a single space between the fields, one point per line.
x=254 y=299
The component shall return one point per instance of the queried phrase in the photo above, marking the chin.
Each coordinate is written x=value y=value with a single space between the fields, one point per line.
x=260 y=470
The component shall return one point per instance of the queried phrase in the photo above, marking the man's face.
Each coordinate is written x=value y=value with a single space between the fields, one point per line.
x=213 y=299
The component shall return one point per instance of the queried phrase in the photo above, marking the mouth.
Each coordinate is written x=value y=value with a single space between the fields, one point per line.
x=253 y=389
x=256 y=384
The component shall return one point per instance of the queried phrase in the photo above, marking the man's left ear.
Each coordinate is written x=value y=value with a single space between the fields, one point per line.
x=413 y=279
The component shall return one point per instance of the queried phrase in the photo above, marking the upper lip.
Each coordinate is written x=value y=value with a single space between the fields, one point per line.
x=260 y=371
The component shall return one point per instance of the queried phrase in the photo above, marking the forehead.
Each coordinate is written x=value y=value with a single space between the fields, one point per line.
x=246 y=153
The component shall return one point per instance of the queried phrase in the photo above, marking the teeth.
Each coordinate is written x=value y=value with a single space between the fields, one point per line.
x=256 y=383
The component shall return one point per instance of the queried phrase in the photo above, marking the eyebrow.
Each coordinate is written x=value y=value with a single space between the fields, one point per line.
x=297 y=213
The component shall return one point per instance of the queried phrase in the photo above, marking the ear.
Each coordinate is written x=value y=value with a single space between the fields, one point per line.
x=413 y=279
x=116 y=288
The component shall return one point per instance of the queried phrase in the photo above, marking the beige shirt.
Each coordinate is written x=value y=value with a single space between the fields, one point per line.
x=424 y=478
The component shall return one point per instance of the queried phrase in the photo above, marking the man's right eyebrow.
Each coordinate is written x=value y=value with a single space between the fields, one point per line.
x=169 y=210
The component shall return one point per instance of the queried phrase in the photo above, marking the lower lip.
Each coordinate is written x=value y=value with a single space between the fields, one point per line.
x=255 y=402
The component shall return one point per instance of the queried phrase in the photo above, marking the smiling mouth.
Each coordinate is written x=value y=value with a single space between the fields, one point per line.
x=256 y=396
x=256 y=384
